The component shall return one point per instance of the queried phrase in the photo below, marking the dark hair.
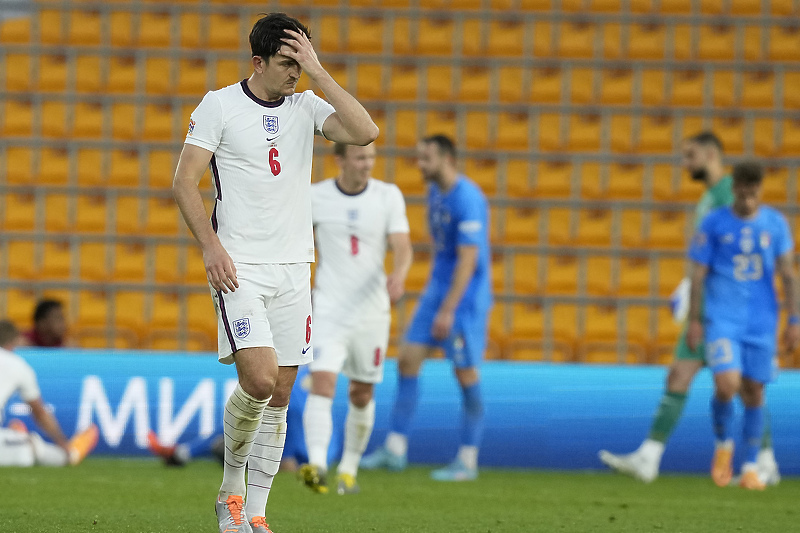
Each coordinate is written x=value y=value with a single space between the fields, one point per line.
x=747 y=173
x=339 y=149
x=44 y=307
x=8 y=332
x=268 y=32
x=444 y=143
x=707 y=138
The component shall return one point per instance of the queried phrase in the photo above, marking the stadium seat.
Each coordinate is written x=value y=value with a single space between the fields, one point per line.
x=784 y=43
x=56 y=260
x=656 y=134
x=688 y=87
x=416 y=214
x=511 y=84
x=598 y=280
x=18 y=165
x=123 y=121
x=546 y=85
x=616 y=86
x=525 y=274
x=435 y=36
x=506 y=38
x=167 y=263
x=634 y=277
x=521 y=225
x=129 y=311
x=670 y=272
x=190 y=30
x=17 y=71
x=559 y=226
x=88 y=121
x=53 y=119
x=224 y=31
x=576 y=39
x=784 y=7
x=365 y=35
x=19 y=258
x=581 y=86
x=484 y=172
x=368 y=81
x=517 y=176
x=632 y=230
x=554 y=178
x=406 y=124
x=17 y=118
x=124 y=168
x=622 y=135
x=668 y=229
x=200 y=314
x=407 y=176
x=758 y=89
x=195 y=268
x=474 y=84
x=731 y=132
x=94 y=261
x=90 y=214
x=121 y=28
x=683 y=47
x=161 y=168
x=84 y=28
x=53 y=166
x=19 y=212
x=121 y=74
x=158 y=76
x=158 y=122
x=439 y=83
x=584 y=132
x=441 y=122
x=15 y=30
x=476 y=128
x=130 y=262
x=561 y=274
x=127 y=215
x=88 y=73
x=51 y=26
x=647 y=41
x=227 y=72
x=403 y=82
x=162 y=217
x=722 y=90
x=625 y=181
x=90 y=167
x=19 y=305
x=56 y=213
x=155 y=29
x=513 y=131
x=594 y=227
x=52 y=73
x=653 y=91
x=716 y=42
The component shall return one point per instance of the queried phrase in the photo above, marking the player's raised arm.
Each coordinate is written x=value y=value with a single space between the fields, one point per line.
x=695 y=332
x=788 y=273
x=350 y=124
x=192 y=164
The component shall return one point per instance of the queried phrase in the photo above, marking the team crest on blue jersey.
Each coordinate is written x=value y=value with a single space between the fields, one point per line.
x=746 y=242
x=765 y=240
x=241 y=327
x=271 y=124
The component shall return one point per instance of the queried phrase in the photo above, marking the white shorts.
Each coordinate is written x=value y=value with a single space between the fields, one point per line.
x=358 y=352
x=15 y=448
x=271 y=308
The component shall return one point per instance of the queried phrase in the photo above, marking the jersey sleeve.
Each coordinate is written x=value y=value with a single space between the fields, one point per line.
x=785 y=242
x=320 y=111
x=205 y=126
x=701 y=249
x=28 y=388
x=398 y=221
x=470 y=220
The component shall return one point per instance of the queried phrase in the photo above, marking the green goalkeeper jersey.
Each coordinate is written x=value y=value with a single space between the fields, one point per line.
x=720 y=195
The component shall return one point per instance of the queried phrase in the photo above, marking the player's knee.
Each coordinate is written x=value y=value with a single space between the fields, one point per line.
x=360 y=396
x=467 y=376
x=680 y=378
x=752 y=393
x=727 y=388
x=260 y=387
x=408 y=366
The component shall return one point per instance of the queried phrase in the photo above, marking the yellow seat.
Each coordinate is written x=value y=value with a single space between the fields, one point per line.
x=561 y=275
x=20 y=257
x=157 y=76
x=51 y=26
x=784 y=43
x=632 y=230
x=764 y=141
x=513 y=131
x=88 y=121
x=407 y=176
x=130 y=262
x=127 y=215
x=625 y=181
x=634 y=277
x=158 y=122
x=121 y=28
x=647 y=41
x=93 y=259
x=546 y=85
x=54 y=119
x=165 y=311
x=403 y=82
x=15 y=30
x=518 y=178
x=527 y=321
x=581 y=87
x=90 y=167
x=227 y=72
x=161 y=168
x=616 y=86
x=506 y=38
x=437 y=122
x=594 y=227
x=19 y=305
x=668 y=229
x=653 y=82
x=439 y=83
x=483 y=172
x=598 y=276
x=19 y=212
x=368 y=82
x=790 y=143
x=90 y=214
x=200 y=314
x=559 y=226
x=53 y=166
x=670 y=272
x=121 y=74
x=162 y=217
x=474 y=85
x=56 y=260
x=601 y=324
x=717 y=42
x=167 y=260
x=521 y=225
x=190 y=35
x=436 y=36
x=124 y=168
x=195 y=268
x=511 y=82
x=524 y=278
x=84 y=28
x=365 y=35
x=155 y=29
x=687 y=88
x=584 y=132
x=419 y=272
x=52 y=73
x=88 y=74
x=553 y=179
x=758 y=89
x=656 y=134
x=417 y=219
x=129 y=311
x=123 y=121
x=722 y=91
x=17 y=71
x=731 y=131
x=17 y=118
x=56 y=213
x=576 y=39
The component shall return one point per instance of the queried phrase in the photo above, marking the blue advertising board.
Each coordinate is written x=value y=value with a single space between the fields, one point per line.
x=537 y=415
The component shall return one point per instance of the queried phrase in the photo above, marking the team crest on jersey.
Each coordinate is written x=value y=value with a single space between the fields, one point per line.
x=241 y=327
x=765 y=240
x=271 y=124
x=746 y=242
x=352 y=215
x=191 y=126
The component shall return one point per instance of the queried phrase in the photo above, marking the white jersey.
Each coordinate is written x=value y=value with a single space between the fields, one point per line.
x=262 y=170
x=351 y=232
x=16 y=375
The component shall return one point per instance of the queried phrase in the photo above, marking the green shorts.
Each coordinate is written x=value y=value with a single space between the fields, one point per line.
x=683 y=353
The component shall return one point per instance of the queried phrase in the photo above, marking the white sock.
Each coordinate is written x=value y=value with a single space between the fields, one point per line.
x=766 y=455
x=747 y=467
x=357 y=430
x=241 y=421
x=652 y=450
x=397 y=444
x=265 y=460
x=724 y=444
x=469 y=456
x=47 y=454
x=318 y=427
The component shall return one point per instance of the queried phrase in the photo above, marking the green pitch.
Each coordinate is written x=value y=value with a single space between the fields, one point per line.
x=142 y=496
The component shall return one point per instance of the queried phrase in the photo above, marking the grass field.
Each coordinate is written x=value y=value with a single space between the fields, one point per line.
x=142 y=496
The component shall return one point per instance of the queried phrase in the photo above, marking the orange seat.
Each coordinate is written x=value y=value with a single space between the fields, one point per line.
x=758 y=89
x=790 y=143
x=54 y=123
x=88 y=120
x=439 y=83
x=594 y=227
x=731 y=131
x=599 y=278
x=407 y=176
x=405 y=125
x=475 y=83
x=581 y=87
x=158 y=76
x=19 y=212
x=559 y=226
x=224 y=31
x=764 y=137
x=18 y=164
x=435 y=36
x=634 y=277
x=546 y=85
x=483 y=172
x=200 y=314
x=625 y=180
x=584 y=132
x=15 y=30
x=56 y=213
x=94 y=261
x=513 y=131
x=521 y=225
x=20 y=260
x=418 y=223
x=518 y=178
x=682 y=45
x=19 y=305
x=90 y=167
x=647 y=41
x=93 y=309
x=56 y=260
x=561 y=275
x=160 y=168
x=784 y=43
x=88 y=73
x=52 y=73
x=631 y=228
x=616 y=86
x=165 y=311
x=368 y=82
x=195 y=268
x=525 y=274
x=403 y=82
x=124 y=168
x=554 y=178
x=130 y=262
x=122 y=74
x=130 y=310
x=653 y=87
x=716 y=42
x=121 y=28
x=668 y=229
x=226 y=72
x=688 y=88
x=670 y=272
x=53 y=166
x=167 y=263
x=158 y=122
x=90 y=214
x=576 y=39
x=365 y=35
x=656 y=134
x=17 y=70
x=162 y=217
x=155 y=29
x=84 y=28
x=512 y=84
x=476 y=126
x=722 y=91
x=17 y=118
x=437 y=122
x=51 y=26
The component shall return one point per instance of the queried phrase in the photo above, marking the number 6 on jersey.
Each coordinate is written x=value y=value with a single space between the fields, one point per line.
x=274 y=164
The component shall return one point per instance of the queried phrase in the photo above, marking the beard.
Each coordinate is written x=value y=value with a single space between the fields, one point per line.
x=700 y=174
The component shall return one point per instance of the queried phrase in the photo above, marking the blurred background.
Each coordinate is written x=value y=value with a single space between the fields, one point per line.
x=568 y=113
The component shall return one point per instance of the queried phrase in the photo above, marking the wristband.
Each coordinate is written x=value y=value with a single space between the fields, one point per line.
x=794 y=320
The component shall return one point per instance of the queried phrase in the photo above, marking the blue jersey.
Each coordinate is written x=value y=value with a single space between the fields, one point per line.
x=741 y=257
x=459 y=217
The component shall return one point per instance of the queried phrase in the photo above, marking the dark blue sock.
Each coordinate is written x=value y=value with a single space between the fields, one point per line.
x=722 y=414
x=472 y=424
x=753 y=432
x=405 y=404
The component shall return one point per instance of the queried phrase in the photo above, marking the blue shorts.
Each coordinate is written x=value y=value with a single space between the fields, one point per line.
x=753 y=357
x=467 y=341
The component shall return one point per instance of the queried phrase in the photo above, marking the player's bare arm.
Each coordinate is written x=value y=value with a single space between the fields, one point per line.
x=788 y=273
x=465 y=267
x=403 y=253
x=350 y=124
x=694 y=334
x=220 y=269
x=48 y=423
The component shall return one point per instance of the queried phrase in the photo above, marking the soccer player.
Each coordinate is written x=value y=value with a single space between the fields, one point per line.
x=18 y=446
x=354 y=218
x=258 y=136
x=453 y=311
x=702 y=159
x=735 y=255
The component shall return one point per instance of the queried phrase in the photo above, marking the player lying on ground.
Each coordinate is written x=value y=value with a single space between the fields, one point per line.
x=453 y=312
x=735 y=255
x=355 y=216
x=18 y=446
x=257 y=136
x=702 y=160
